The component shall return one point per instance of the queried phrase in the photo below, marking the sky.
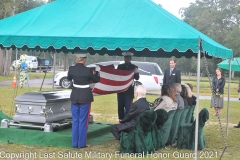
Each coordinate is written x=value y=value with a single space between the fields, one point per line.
x=173 y=6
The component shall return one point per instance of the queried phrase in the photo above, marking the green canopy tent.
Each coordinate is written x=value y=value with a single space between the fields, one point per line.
x=108 y=27
x=235 y=64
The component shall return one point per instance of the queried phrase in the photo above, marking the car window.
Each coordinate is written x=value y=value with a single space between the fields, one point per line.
x=148 y=68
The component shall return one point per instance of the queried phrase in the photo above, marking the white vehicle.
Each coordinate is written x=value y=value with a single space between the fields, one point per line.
x=36 y=62
x=29 y=59
x=151 y=75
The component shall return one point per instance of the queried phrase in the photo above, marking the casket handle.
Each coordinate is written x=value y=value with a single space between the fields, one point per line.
x=49 y=111
x=63 y=109
x=30 y=109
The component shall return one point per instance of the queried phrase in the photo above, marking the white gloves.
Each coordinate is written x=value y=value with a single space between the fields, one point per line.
x=136 y=70
x=97 y=68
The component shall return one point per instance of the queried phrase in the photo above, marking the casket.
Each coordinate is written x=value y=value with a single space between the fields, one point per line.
x=42 y=107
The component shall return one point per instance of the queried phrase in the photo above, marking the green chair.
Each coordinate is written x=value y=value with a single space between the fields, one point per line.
x=162 y=117
x=189 y=117
x=183 y=116
x=139 y=139
x=186 y=133
x=166 y=127
x=175 y=126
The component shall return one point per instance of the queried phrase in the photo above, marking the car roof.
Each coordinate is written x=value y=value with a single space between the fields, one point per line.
x=120 y=62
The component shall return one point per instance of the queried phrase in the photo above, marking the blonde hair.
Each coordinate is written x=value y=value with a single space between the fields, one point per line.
x=189 y=91
x=80 y=59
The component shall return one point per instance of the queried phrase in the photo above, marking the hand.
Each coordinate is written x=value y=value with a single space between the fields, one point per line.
x=217 y=90
x=97 y=68
x=136 y=70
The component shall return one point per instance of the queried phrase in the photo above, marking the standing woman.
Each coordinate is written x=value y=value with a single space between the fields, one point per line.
x=81 y=98
x=218 y=83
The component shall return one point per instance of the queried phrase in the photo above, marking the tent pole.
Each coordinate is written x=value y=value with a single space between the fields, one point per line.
x=54 y=66
x=228 y=104
x=15 y=69
x=197 y=104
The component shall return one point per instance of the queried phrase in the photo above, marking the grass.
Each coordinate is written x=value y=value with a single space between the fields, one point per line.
x=32 y=75
x=104 y=109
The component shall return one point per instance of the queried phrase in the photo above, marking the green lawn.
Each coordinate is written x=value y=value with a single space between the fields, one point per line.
x=104 y=109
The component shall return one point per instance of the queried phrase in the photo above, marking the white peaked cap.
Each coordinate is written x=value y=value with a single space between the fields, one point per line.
x=127 y=54
x=81 y=54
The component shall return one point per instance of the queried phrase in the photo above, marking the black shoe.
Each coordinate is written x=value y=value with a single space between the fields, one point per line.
x=238 y=126
x=239 y=99
x=83 y=147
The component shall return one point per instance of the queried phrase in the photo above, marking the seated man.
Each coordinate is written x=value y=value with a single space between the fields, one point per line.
x=137 y=108
x=177 y=90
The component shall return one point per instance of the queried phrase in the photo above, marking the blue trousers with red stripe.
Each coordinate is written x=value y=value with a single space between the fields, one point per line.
x=80 y=115
x=124 y=104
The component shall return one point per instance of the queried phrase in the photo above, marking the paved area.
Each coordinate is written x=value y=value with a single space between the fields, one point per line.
x=33 y=83
x=48 y=84
x=202 y=97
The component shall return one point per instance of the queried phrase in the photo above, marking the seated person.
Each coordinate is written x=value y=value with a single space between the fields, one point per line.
x=177 y=90
x=184 y=95
x=130 y=119
x=168 y=99
x=193 y=98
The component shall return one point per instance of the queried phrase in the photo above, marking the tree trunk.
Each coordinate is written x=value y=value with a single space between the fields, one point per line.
x=65 y=61
x=5 y=64
x=1 y=62
x=232 y=74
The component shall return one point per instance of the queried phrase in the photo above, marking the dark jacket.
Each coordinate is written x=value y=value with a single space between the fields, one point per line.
x=175 y=77
x=129 y=67
x=191 y=101
x=130 y=119
x=81 y=75
x=218 y=84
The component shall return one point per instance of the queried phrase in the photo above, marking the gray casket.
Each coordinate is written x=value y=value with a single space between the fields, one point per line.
x=43 y=107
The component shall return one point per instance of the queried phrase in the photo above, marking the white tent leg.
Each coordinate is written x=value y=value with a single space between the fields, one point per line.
x=228 y=105
x=197 y=104
x=54 y=66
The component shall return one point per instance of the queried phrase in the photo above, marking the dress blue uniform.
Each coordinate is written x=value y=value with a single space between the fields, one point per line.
x=125 y=98
x=81 y=98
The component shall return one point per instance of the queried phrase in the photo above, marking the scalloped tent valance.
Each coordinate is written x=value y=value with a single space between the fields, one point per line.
x=106 y=27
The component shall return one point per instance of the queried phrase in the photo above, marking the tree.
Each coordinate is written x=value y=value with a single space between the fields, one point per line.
x=219 y=19
x=10 y=8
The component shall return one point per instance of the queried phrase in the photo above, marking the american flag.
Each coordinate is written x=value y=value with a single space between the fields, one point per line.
x=113 y=80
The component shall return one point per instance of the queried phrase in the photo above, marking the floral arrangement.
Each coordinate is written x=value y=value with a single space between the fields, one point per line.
x=218 y=94
x=22 y=66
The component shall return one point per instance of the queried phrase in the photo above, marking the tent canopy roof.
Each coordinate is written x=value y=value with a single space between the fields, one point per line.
x=235 y=64
x=106 y=26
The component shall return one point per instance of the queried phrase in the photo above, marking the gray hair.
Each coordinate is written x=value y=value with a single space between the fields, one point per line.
x=177 y=87
x=141 y=90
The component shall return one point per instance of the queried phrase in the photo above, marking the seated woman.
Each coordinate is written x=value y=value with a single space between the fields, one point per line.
x=169 y=101
x=184 y=95
x=192 y=100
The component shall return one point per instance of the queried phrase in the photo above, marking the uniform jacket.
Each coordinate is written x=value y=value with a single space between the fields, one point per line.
x=130 y=119
x=129 y=67
x=175 y=77
x=81 y=75
x=218 y=84
x=167 y=104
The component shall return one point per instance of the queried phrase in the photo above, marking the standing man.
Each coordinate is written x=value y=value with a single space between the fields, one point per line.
x=81 y=98
x=130 y=119
x=172 y=74
x=125 y=98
